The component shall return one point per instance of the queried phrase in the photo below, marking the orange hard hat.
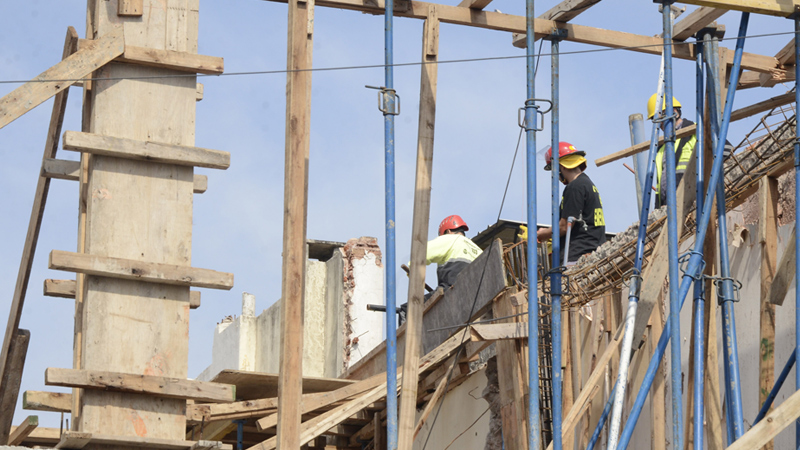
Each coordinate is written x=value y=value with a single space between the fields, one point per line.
x=453 y=222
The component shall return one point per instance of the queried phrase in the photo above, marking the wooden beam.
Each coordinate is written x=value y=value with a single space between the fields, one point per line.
x=77 y=65
x=419 y=230
x=70 y=170
x=130 y=8
x=568 y=10
x=59 y=288
x=67 y=289
x=772 y=424
x=47 y=437
x=695 y=21
x=79 y=440
x=11 y=380
x=516 y=24
x=768 y=238
x=146 y=150
x=498 y=331
x=141 y=384
x=784 y=274
x=313 y=402
x=780 y=8
x=31 y=238
x=128 y=269
x=23 y=430
x=47 y=401
x=170 y=59
x=739 y=114
x=785 y=55
x=293 y=280
x=474 y=4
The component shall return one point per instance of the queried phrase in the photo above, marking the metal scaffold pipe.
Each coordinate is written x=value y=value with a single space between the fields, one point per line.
x=391 y=312
x=534 y=424
x=694 y=265
x=699 y=285
x=555 y=275
x=672 y=232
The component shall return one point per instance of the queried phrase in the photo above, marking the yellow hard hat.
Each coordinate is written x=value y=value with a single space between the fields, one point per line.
x=572 y=160
x=651 y=105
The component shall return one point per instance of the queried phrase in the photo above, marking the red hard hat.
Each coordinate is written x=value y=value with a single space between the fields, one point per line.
x=564 y=149
x=452 y=223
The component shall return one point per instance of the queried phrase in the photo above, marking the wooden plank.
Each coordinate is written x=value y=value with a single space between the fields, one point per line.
x=78 y=440
x=695 y=21
x=772 y=424
x=768 y=238
x=780 y=8
x=128 y=269
x=591 y=387
x=516 y=24
x=785 y=55
x=313 y=402
x=67 y=289
x=567 y=10
x=785 y=272
x=11 y=380
x=41 y=436
x=511 y=382
x=739 y=114
x=174 y=60
x=474 y=4
x=61 y=169
x=497 y=331
x=419 y=232
x=77 y=65
x=29 y=250
x=298 y=125
x=141 y=384
x=70 y=170
x=146 y=150
x=656 y=271
x=23 y=430
x=130 y=8
x=257 y=385
x=47 y=401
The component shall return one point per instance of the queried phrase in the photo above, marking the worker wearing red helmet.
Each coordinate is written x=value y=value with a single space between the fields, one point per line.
x=580 y=200
x=452 y=250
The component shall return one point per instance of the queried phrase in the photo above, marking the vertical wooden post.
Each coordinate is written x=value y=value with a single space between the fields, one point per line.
x=11 y=381
x=568 y=440
x=419 y=232
x=512 y=380
x=295 y=197
x=768 y=238
x=575 y=362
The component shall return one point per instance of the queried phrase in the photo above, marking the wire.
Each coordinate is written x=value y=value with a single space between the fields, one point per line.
x=369 y=66
x=519 y=139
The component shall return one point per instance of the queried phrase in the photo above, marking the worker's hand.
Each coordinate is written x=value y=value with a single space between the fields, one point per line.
x=523 y=234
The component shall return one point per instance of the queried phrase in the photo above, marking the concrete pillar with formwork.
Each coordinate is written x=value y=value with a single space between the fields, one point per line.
x=137 y=234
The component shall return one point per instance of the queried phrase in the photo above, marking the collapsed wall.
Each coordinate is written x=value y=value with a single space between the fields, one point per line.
x=338 y=330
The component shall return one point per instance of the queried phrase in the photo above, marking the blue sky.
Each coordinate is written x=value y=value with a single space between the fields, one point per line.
x=238 y=221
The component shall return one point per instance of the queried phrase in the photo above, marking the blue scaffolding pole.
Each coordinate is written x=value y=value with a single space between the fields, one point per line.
x=388 y=102
x=695 y=259
x=699 y=285
x=534 y=424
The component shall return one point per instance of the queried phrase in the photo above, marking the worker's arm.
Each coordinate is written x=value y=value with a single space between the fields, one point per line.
x=547 y=233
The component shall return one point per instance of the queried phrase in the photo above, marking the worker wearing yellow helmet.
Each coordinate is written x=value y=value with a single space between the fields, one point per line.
x=684 y=147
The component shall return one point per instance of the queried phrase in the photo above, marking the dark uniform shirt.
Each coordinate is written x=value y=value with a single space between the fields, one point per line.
x=582 y=201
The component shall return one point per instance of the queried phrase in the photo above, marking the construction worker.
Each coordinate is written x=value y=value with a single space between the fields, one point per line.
x=684 y=147
x=452 y=250
x=580 y=200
